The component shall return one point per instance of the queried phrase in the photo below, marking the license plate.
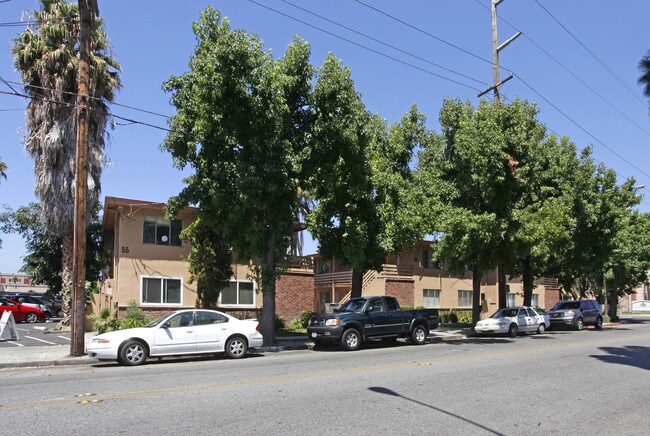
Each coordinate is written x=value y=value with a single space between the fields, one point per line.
x=313 y=334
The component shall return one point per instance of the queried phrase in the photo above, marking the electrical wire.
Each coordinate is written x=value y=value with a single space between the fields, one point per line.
x=364 y=47
x=384 y=43
x=603 y=64
x=575 y=76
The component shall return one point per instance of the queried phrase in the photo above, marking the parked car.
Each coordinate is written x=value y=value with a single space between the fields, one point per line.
x=192 y=331
x=31 y=300
x=21 y=312
x=576 y=314
x=56 y=306
x=371 y=318
x=512 y=320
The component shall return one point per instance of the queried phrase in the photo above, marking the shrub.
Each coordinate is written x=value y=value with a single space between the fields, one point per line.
x=465 y=317
x=279 y=323
x=453 y=318
x=304 y=317
x=295 y=324
x=104 y=321
x=133 y=316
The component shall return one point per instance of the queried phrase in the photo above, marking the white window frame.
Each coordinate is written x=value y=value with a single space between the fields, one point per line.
x=534 y=301
x=471 y=296
x=426 y=295
x=241 y=305
x=511 y=299
x=142 y=303
x=165 y=222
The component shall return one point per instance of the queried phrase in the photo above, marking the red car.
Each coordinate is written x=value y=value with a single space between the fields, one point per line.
x=21 y=312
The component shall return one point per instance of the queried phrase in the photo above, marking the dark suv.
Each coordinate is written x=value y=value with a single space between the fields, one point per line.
x=576 y=314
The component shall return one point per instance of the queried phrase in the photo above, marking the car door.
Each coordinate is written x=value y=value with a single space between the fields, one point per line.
x=523 y=320
x=176 y=336
x=6 y=305
x=534 y=320
x=588 y=311
x=378 y=322
x=212 y=330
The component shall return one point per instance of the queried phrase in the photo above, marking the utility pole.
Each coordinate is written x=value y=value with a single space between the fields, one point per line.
x=496 y=48
x=87 y=11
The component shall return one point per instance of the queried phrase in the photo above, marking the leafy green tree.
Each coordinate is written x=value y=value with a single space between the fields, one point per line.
x=209 y=261
x=46 y=55
x=240 y=124
x=345 y=220
x=43 y=261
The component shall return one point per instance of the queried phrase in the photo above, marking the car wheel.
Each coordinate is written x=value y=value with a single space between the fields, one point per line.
x=541 y=329
x=512 y=331
x=132 y=353
x=31 y=318
x=351 y=340
x=59 y=313
x=236 y=347
x=48 y=315
x=419 y=335
x=580 y=324
x=599 y=323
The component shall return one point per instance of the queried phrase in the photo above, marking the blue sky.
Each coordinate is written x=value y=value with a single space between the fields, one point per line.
x=153 y=40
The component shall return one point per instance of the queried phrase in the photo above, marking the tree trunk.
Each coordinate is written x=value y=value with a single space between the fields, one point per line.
x=503 y=286
x=528 y=279
x=612 y=299
x=476 y=295
x=67 y=242
x=357 y=283
x=267 y=322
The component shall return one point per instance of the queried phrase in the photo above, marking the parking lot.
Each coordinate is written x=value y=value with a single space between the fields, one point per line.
x=34 y=335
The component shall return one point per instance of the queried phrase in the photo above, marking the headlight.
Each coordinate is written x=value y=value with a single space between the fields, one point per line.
x=502 y=323
x=569 y=314
x=333 y=321
x=100 y=341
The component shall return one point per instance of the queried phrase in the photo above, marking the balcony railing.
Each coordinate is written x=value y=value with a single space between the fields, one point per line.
x=337 y=278
x=301 y=262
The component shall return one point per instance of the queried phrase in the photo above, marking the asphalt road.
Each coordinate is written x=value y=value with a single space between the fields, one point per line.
x=32 y=335
x=589 y=382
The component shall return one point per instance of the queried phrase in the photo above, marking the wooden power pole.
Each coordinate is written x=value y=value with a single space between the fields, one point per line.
x=87 y=11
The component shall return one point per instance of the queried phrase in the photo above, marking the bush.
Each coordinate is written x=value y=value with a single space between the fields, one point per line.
x=133 y=316
x=465 y=317
x=104 y=321
x=304 y=317
x=295 y=324
x=279 y=323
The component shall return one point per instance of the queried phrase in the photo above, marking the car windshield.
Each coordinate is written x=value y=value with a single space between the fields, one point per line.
x=354 y=305
x=156 y=321
x=563 y=305
x=505 y=312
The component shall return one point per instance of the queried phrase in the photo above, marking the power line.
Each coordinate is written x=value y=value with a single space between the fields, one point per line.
x=386 y=14
x=582 y=128
x=74 y=106
x=383 y=43
x=575 y=76
x=607 y=68
x=365 y=47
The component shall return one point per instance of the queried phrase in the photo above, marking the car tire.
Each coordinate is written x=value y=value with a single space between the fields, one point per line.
x=59 y=313
x=132 y=353
x=512 y=331
x=48 y=315
x=580 y=324
x=419 y=335
x=351 y=340
x=541 y=329
x=599 y=323
x=236 y=347
x=31 y=318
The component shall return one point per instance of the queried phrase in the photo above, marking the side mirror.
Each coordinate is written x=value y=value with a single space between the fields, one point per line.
x=166 y=325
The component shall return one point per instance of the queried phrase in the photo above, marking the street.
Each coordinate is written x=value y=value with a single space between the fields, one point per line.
x=566 y=382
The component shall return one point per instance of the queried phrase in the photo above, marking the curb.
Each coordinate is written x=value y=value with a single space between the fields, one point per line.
x=84 y=360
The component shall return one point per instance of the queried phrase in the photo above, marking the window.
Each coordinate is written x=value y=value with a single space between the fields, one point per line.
x=162 y=232
x=205 y=318
x=238 y=293
x=534 y=301
x=431 y=298
x=184 y=319
x=426 y=259
x=511 y=299
x=375 y=305
x=465 y=298
x=158 y=290
x=391 y=304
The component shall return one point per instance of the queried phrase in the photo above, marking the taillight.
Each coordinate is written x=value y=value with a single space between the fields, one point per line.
x=258 y=328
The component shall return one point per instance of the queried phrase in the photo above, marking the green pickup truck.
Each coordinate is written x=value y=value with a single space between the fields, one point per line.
x=365 y=318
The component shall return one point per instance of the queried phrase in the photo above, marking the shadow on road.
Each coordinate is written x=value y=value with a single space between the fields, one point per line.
x=177 y=359
x=386 y=391
x=631 y=355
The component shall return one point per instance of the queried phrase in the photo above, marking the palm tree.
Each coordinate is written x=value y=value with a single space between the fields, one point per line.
x=47 y=57
x=304 y=204
x=3 y=169
x=644 y=66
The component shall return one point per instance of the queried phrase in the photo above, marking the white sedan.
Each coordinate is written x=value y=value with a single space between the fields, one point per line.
x=193 y=331
x=511 y=320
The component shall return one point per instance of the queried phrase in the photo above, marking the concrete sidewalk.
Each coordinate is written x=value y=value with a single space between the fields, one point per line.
x=55 y=355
